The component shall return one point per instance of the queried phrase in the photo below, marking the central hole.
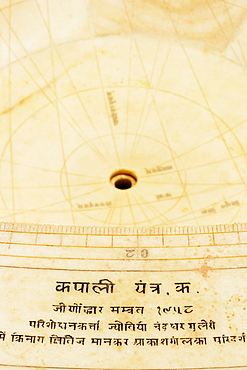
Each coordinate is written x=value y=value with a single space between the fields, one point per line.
x=123 y=184
x=123 y=179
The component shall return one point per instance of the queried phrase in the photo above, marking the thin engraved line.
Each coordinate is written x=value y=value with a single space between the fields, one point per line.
x=152 y=93
x=131 y=271
x=228 y=130
x=84 y=368
x=172 y=221
x=58 y=111
x=242 y=53
x=52 y=186
x=112 y=209
x=31 y=76
x=131 y=209
x=119 y=259
x=140 y=130
x=121 y=216
x=206 y=164
x=185 y=219
x=227 y=184
x=153 y=209
x=48 y=170
x=54 y=204
x=11 y=5
x=142 y=210
x=222 y=30
x=208 y=105
x=147 y=93
x=162 y=127
x=193 y=167
x=212 y=245
x=147 y=79
x=76 y=41
x=18 y=128
x=128 y=91
x=128 y=102
x=103 y=89
x=239 y=44
x=76 y=92
x=48 y=84
x=149 y=204
x=152 y=205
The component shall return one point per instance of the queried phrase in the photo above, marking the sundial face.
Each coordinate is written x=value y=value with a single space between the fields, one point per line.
x=123 y=113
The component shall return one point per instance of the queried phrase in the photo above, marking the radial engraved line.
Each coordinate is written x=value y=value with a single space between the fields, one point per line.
x=185 y=218
x=131 y=210
x=61 y=202
x=175 y=163
x=207 y=103
x=145 y=100
x=121 y=215
x=235 y=182
x=242 y=53
x=48 y=85
x=140 y=129
x=102 y=88
x=212 y=114
x=11 y=5
x=142 y=210
x=210 y=204
x=222 y=30
x=128 y=98
x=197 y=166
x=51 y=186
x=166 y=138
x=49 y=205
x=144 y=202
x=48 y=170
x=238 y=41
x=23 y=47
x=154 y=210
x=109 y=215
x=76 y=92
x=19 y=60
x=129 y=79
x=211 y=189
x=61 y=103
x=152 y=72
x=239 y=208
x=210 y=141
x=53 y=103
x=58 y=112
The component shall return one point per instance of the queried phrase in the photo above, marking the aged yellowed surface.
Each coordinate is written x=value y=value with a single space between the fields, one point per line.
x=123 y=113
x=90 y=88
x=81 y=298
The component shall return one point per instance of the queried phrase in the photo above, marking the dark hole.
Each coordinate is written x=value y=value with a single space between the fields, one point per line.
x=123 y=184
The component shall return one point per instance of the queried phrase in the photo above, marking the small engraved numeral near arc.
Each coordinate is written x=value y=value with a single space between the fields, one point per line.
x=136 y=253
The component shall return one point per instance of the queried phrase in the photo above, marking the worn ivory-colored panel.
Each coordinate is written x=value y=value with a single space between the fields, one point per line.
x=69 y=302
x=97 y=96
x=152 y=88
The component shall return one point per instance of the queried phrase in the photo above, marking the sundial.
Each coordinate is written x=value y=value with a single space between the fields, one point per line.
x=123 y=132
x=151 y=91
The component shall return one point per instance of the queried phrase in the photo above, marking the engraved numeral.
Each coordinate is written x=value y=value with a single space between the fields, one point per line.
x=136 y=253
